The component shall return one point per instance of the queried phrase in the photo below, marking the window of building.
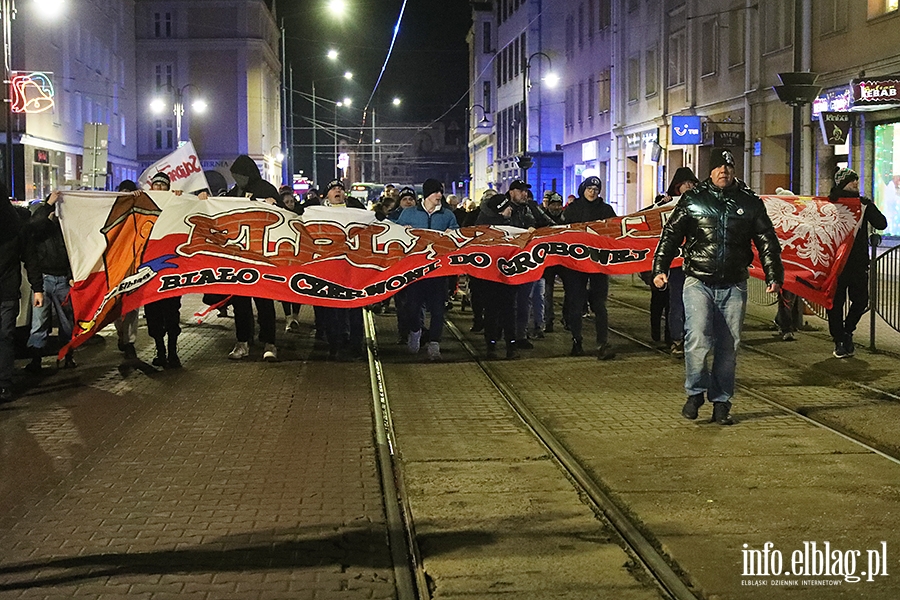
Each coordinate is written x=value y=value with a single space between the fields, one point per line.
x=581 y=26
x=604 y=14
x=524 y=52
x=165 y=134
x=570 y=106
x=487 y=46
x=882 y=7
x=516 y=52
x=709 y=46
x=592 y=7
x=486 y=96
x=634 y=77
x=832 y=16
x=651 y=69
x=580 y=101
x=591 y=98
x=163 y=76
x=676 y=58
x=778 y=19
x=736 y=24
x=570 y=37
x=162 y=25
x=604 y=92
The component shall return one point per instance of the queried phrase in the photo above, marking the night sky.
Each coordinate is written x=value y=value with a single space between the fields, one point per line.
x=428 y=68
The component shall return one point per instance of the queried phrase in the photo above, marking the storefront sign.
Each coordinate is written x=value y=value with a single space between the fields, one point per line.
x=41 y=156
x=728 y=139
x=686 y=130
x=633 y=141
x=875 y=93
x=835 y=127
x=837 y=99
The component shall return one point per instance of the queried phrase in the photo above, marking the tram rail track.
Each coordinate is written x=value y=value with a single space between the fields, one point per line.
x=669 y=582
x=868 y=444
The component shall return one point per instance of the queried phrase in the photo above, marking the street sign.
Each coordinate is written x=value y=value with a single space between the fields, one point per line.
x=835 y=127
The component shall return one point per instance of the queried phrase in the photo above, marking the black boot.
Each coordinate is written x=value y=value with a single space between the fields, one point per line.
x=160 y=360
x=173 y=361
x=577 y=348
x=35 y=365
x=512 y=351
x=69 y=362
x=720 y=413
x=692 y=406
x=491 y=350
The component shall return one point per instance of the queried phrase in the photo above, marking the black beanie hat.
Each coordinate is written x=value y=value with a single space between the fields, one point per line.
x=161 y=177
x=333 y=184
x=406 y=191
x=719 y=157
x=431 y=186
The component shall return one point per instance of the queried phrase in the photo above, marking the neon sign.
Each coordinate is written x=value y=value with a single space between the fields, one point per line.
x=31 y=92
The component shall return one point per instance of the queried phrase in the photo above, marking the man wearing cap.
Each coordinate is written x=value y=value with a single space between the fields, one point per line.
x=592 y=288
x=431 y=293
x=854 y=278
x=718 y=222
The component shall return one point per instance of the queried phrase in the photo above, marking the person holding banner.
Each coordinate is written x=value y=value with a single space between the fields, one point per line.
x=431 y=213
x=854 y=278
x=718 y=222
x=13 y=234
x=164 y=316
x=588 y=287
x=250 y=184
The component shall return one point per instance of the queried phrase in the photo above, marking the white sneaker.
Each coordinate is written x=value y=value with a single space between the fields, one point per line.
x=241 y=349
x=292 y=326
x=412 y=342
x=434 y=351
x=270 y=354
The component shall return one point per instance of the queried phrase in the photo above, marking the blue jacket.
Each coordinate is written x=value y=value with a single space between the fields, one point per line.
x=440 y=220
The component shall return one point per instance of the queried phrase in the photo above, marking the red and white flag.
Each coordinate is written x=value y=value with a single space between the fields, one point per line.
x=130 y=249
x=182 y=167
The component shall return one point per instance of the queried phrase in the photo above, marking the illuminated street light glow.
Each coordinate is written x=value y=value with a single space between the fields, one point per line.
x=337 y=7
x=157 y=105
x=348 y=101
x=332 y=54
x=396 y=101
x=50 y=8
x=199 y=105
x=348 y=75
x=551 y=79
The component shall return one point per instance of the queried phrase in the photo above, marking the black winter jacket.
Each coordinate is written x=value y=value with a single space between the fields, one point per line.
x=580 y=210
x=528 y=215
x=858 y=259
x=717 y=227
x=257 y=188
x=13 y=235
x=46 y=252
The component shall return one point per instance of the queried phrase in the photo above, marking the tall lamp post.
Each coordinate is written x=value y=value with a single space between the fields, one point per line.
x=525 y=161
x=469 y=145
x=158 y=106
x=332 y=55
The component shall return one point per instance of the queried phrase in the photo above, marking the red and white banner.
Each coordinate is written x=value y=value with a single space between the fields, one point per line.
x=127 y=250
x=182 y=167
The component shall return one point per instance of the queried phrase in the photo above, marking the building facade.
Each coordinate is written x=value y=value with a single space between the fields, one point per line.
x=225 y=53
x=72 y=69
x=653 y=85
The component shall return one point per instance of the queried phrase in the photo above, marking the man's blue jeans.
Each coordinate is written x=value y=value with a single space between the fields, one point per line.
x=713 y=318
x=56 y=288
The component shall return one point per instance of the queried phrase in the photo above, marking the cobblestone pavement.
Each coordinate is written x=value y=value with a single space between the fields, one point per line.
x=223 y=479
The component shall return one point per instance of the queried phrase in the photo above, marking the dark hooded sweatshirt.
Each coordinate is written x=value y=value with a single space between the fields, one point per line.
x=256 y=187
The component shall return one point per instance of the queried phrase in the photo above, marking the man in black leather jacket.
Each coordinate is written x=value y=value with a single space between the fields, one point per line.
x=717 y=221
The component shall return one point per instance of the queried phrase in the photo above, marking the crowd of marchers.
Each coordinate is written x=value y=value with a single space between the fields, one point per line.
x=714 y=225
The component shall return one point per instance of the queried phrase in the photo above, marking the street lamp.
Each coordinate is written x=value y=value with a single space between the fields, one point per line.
x=332 y=54
x=199 y=105
x=484 y=112
x=525 y=162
